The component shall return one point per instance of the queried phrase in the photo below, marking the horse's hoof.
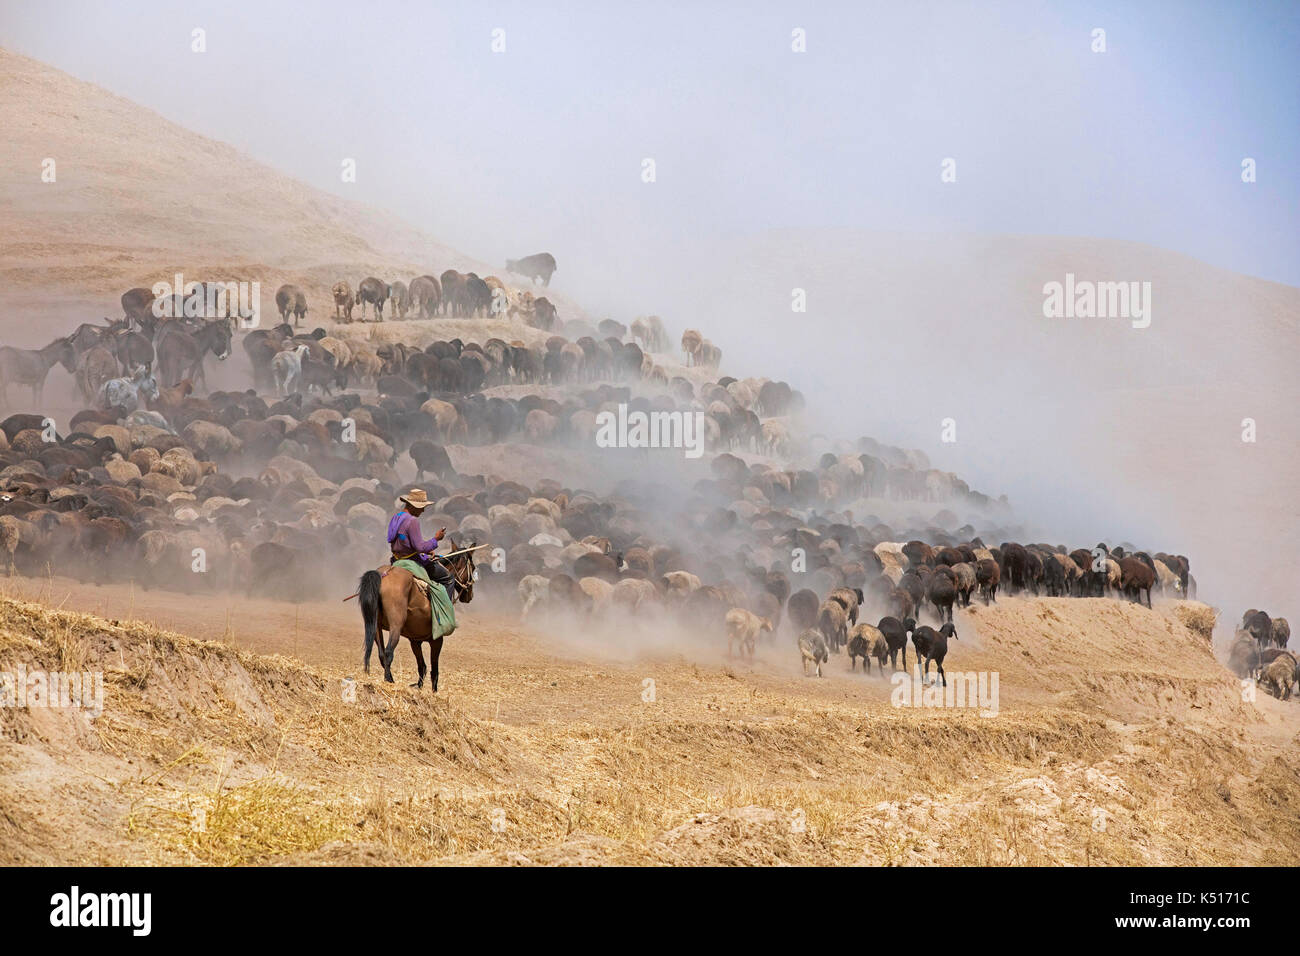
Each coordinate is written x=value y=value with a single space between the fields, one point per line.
x=388 y=679
x=415 y=684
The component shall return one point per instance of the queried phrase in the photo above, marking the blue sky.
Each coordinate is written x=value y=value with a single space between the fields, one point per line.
x=541 y=146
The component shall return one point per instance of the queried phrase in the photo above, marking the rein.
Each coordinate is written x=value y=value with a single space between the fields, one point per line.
x=464 y=580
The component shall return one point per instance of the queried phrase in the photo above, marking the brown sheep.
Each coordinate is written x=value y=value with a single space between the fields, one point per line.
x=1243 y=654
x=290 y=300
x=833 y=622
x=801 y=608
x=965 y=581
x=343 y=301
x=95 y=367
x=867 y=642
x=631 y=593
x=851 y=598
x=540 y=426
x=1278 y=678
x=691 y=341
x=678 y=585
x=1136 y=577
x=400 y=296
x=374 y=291
x=1281 y=631
x=988 y=577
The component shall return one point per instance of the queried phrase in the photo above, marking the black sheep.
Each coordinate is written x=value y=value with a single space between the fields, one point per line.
x=430 y=457
x=932 y=645
x=896 y=632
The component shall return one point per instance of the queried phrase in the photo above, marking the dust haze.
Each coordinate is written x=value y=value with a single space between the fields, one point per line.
x=867 y=204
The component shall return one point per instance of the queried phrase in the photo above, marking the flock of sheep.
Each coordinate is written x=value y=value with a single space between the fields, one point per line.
x=284 y=488
x=1259 y=651
x=914 y=577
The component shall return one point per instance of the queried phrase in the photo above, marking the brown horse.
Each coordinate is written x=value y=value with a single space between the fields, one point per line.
x=392 y=601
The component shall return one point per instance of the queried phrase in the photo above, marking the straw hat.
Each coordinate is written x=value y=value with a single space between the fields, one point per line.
x=416 y=498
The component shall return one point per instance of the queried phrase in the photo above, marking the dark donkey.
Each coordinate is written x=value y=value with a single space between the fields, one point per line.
x=181 y=351
x=392 y=600
x=131 y=343
x=31 y=366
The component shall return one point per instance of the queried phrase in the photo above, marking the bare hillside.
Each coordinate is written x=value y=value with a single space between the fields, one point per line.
x=138 y=199
x=533 y=754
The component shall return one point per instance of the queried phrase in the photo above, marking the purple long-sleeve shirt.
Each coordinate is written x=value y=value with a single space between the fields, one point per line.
x=405 y=536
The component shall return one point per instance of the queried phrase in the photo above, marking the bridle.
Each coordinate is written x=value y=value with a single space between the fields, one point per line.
x=462 y=572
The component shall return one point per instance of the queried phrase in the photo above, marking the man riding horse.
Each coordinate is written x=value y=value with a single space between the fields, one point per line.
x=407 y=541
x=394 y=599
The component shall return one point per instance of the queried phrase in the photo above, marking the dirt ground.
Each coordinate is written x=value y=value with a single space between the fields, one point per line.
x=1118 y=738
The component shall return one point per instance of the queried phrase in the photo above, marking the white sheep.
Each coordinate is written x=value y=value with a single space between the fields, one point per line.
x=1170 y=584
x=743 y=627
x=533 y=589
x=812 y=647
x=286 y=367
x=1113 y=574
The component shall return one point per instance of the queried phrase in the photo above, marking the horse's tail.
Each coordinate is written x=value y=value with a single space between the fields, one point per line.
x=368 y=598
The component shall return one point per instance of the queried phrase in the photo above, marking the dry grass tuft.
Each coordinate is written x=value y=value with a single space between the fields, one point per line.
x=1198 y=618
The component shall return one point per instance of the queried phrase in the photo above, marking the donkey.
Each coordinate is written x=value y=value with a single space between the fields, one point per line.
x=124 y=393
x=31 y=366
x=181 y=352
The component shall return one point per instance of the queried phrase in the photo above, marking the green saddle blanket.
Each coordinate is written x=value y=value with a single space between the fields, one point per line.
x=444 y=614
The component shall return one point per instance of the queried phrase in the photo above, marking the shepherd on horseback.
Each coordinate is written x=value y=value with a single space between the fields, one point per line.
x=407 y=541
x=414 y=596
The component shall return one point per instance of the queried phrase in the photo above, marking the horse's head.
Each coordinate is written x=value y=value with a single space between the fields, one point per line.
x=462 y=570
x=65 y=353
x=221 y=334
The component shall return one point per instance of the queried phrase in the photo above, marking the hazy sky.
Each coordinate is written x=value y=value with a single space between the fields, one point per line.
x=541 y=146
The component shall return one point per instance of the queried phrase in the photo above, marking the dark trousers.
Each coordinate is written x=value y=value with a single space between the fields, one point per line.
x=438 y=572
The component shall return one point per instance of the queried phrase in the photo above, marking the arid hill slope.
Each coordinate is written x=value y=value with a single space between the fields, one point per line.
x=1118 y=739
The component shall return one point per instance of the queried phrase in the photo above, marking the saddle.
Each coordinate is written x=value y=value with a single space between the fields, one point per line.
x=442 y=611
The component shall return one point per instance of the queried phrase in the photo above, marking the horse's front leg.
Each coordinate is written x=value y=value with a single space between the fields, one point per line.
x=417 y=648
x=435 y=651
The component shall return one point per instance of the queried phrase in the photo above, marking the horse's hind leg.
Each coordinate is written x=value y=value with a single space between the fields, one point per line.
x=395 y=625
x=377 y=644
x=417 y=648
